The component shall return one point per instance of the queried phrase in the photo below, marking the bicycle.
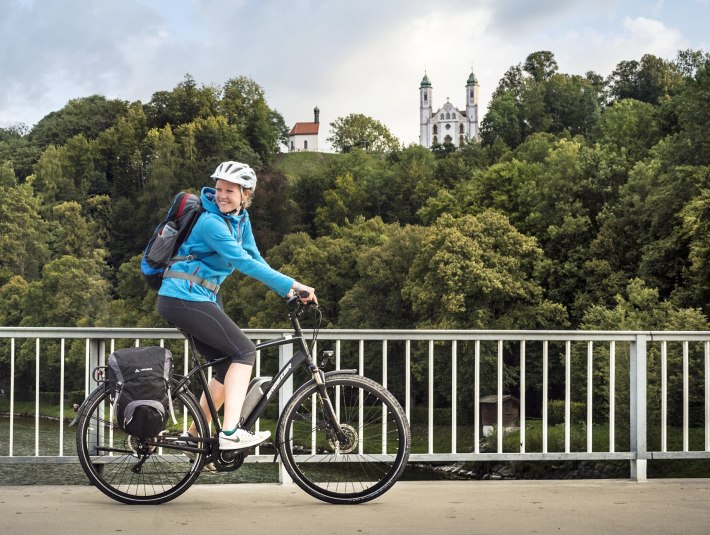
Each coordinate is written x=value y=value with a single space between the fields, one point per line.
x=343 y=438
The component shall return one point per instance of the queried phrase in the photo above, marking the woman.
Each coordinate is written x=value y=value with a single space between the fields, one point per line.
x=220 y=242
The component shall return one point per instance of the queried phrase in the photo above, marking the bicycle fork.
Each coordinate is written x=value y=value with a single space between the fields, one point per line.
x=331 y=416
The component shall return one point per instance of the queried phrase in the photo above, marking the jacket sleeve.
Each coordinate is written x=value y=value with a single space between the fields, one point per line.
x=244 y=257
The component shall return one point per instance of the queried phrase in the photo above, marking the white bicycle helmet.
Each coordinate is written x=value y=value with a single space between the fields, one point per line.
x=237 y=173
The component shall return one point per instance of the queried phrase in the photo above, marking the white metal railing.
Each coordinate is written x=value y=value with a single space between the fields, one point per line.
x=400 y=358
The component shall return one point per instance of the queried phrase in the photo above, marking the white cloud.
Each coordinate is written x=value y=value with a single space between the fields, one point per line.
x=355 y=57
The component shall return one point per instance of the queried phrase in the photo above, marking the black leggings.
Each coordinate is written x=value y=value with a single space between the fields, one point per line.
x=215 y=334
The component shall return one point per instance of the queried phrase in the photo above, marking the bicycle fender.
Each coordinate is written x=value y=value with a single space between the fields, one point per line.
x=308 y=384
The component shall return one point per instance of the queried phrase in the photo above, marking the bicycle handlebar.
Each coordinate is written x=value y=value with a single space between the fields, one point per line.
x=296 y=305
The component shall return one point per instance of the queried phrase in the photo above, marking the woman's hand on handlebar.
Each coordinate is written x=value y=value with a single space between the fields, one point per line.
x=306 y=293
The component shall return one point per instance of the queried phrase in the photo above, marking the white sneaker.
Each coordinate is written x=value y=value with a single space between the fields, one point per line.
x=242 y=439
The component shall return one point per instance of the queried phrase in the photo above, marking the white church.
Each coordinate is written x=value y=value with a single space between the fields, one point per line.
x=448 y=124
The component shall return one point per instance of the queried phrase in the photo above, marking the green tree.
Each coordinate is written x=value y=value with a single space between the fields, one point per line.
x=692 y=107
x=630 y=127
x=478 y=272
x=360 y=131
x=51 y=181
x=23 y=234
x=98 y=216
x=647 y=80
x=185 y=103
x=244 y=105
x=70 y=231
x=540 y=65
x=502 y=121
x=376 y=300
x=7 y=174
x=12 y=295
x=641 y=309
x=88 y=116
x=695 y=217
x=272 y=213
x=340 y=205
x=18 y=149
x=72 y=292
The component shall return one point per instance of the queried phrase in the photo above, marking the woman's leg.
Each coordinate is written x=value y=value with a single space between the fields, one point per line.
x=236 y=384
x=231 y=394
x=217 y=393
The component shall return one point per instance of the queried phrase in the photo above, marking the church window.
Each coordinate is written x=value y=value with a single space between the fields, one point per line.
x=305 y=144
x=448 y=116
x=460 y=141
x=448 y=126
x=425 y=98
x=442 y=115
x=436 y=130
x=460 y=129
x=447 y=140
x=436 y=139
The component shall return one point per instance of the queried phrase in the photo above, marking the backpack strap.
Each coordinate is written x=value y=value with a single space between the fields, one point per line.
x=171 y=274
x=190 y=257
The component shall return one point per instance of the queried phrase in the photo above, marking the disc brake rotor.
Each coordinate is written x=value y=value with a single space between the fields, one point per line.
x=351 y=443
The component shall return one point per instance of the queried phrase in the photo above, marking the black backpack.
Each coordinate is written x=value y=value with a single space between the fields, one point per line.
x=168 y=236
x=140 y=388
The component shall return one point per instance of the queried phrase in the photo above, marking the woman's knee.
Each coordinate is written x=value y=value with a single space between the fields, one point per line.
x=248 y=358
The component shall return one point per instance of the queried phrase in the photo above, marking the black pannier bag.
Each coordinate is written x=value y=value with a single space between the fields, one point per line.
x=139 y=381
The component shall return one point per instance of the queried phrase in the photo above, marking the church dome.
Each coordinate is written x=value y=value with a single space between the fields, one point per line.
x=471 y=79
x=425 y=81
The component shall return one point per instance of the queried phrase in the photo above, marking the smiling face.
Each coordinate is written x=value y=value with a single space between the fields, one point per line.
x=229 y=196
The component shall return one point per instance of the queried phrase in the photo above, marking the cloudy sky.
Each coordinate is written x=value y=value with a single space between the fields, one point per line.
x=367 y=56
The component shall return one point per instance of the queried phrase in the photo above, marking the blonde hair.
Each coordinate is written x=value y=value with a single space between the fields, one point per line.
x=246 y=203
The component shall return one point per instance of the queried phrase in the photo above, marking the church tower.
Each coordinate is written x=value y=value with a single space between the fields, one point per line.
x=448 y=124
x=425 y=92
x=472 y=106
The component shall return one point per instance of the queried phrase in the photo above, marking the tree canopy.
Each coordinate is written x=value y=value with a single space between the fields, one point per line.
x=579 y=186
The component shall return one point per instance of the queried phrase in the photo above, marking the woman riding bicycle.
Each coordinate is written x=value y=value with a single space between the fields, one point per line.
x=220 y=242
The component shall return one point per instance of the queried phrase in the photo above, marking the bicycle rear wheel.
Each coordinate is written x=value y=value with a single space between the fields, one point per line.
x=371 y=460
x=132 y=470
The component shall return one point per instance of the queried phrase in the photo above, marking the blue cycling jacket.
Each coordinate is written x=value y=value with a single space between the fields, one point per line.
x=235 y=248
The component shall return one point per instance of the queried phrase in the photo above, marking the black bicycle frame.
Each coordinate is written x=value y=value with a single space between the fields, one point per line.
x=300 y=357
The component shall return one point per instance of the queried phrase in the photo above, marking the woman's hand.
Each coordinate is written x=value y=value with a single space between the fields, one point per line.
x=306 y=293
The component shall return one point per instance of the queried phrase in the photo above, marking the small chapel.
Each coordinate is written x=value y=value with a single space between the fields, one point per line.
x=304 y=136
x=448 y=124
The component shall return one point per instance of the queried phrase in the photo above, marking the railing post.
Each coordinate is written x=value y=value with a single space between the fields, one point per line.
x=285 y=354
x=637 y=395
x=95 y=356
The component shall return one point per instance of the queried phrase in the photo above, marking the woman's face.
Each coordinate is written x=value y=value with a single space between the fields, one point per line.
x=229 y=196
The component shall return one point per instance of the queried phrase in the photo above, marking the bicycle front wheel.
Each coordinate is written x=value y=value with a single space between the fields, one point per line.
x=133 y=470
x=372 y=458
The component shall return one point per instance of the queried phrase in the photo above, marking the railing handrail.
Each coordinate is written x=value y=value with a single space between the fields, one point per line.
x=365 y=334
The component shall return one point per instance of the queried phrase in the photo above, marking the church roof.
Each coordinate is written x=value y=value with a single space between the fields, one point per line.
x=425 y=81
x=471 y=79
x=304 y=129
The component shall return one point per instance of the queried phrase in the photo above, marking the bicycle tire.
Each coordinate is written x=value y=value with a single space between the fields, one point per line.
x=357 y=472
x=109 y=455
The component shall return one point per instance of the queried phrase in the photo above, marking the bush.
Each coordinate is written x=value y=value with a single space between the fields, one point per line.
x=556 y=412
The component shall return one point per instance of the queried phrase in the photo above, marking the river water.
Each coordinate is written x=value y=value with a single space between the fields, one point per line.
x=73 y=474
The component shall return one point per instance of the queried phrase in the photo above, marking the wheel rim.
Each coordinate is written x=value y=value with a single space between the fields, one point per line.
x=375 y=453
x=130 y=469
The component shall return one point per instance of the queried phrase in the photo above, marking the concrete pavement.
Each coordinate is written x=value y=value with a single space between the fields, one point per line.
x=452 y=507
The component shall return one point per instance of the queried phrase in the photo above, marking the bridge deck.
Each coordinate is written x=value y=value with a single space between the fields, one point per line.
x=578 y=507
